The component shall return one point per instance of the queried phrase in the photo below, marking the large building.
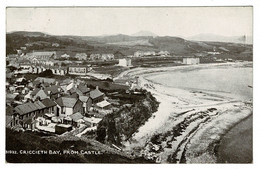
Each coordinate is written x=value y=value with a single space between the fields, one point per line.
x=78 y=70
x=191 y=61
x=44 y=55
x=125 y=62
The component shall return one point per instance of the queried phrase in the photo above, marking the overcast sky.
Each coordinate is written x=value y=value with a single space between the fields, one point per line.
x=178 y=21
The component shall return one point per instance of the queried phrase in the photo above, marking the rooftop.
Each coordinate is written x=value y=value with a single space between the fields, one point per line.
x=48 y=102
x=83 y=98
x=45 y=80
x=96 y=93
x=28 y=107
x=66 y=102
x=76 y=116
x=53 y=89
x=103 y=104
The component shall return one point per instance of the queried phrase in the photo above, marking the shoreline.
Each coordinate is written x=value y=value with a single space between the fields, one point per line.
x=158 y=124
x=217 y=146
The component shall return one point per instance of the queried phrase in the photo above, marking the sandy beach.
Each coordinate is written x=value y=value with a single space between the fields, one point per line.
x=189 y=122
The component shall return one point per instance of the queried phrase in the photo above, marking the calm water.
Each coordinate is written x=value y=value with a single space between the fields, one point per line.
x=225 y=79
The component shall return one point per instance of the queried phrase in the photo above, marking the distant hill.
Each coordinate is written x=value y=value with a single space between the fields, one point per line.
x=29 y=34
x=219 y=38
x=121 y=44
x=144 y=33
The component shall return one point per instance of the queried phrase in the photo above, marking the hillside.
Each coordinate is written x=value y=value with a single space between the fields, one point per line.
x=123 y=44
x=144 y=33
x=219 y=38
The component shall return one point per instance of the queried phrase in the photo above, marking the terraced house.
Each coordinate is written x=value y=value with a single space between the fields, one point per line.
x=25 y=114
x=78 y=70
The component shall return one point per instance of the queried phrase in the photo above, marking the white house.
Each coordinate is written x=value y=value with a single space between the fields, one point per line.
x=125 y=62
x=191 y=61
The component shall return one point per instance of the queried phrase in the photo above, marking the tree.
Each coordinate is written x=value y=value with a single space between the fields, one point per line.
x=101 y=134
x=46 y=73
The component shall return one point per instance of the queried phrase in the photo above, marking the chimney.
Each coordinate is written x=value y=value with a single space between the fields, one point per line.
x=97 y=87
x=49 y=92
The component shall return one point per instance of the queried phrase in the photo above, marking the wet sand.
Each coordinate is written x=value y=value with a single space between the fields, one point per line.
x=236 y=146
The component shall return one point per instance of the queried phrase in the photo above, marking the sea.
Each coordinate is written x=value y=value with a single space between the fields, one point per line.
x=237 y=81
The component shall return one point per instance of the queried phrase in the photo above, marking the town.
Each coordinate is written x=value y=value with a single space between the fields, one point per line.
x=64 y=102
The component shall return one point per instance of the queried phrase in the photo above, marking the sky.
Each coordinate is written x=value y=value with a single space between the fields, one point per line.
x=163 y=21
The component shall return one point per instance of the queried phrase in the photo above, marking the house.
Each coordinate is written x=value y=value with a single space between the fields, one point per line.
x=142 y=54
x=50 y=105
x=125 y=62
x=104 y=104
x=48 y=63
x=21 y=81
x=75 y=119
x=96 y=95
x=78 y=70
x=139 y=54
x=55 y=44
x=38 y=94
x=53 y=91
x=82 y=89
x=59 y=71
x=163 y=53
x=66 y=56
x=109 y=56
x=81 y=56
x=28 y=96
x=44 y=55
x=11 y=97
x=45 y=80
x=9 y=122
x=67 y=106
x=92 y=122
x=95 y=56
x=191 y=61
x=149 y=53
x=24 y=112
x=87 y=103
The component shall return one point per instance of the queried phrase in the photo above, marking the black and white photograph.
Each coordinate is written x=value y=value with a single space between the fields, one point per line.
x=129 y=84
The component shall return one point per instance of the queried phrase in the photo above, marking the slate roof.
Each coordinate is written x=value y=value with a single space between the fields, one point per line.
x=8 y=120
x=76 y=116
x=53 y=89
x=11 y=96
x=83 y=98
x=48 y=102
x=103 y=104
x=84 y=89
x=45 y=80
x=39 y=105
x=66 y=102
x=35 y=91
x=28 y=107
x=8 y=110
x=95 y=94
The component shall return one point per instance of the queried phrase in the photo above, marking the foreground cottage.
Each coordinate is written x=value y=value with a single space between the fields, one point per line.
x=25 y=114
x=96 y=95
x=87 y=103
x=67 y=106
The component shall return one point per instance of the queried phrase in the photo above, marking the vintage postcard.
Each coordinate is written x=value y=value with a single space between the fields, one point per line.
x=129 y=85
